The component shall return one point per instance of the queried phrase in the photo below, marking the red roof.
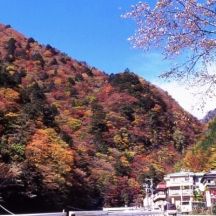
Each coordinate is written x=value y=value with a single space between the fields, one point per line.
x=161 y=185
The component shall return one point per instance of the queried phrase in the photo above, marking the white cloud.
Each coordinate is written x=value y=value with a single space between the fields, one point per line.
x=188 y=98
x=191 y=98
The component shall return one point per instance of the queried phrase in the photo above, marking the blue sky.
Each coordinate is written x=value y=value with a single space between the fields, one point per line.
x=87 y=30
x=93 y=31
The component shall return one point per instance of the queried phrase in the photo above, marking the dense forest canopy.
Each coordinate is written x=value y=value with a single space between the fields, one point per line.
x=74 y=137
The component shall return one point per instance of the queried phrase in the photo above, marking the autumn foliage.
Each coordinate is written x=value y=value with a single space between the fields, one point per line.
x=77 y=137
x=202 y=156
x=51 y=156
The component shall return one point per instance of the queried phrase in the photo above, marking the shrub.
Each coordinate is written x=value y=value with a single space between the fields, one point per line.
x=51 y=49
x=73 y=92
x=31 y=40
x=66 y=138
x=74 y=124
x=38 y=57
x=79 y=78
x=49 y=113
x=11 y=46
x=17 y=151
x=127 y=81
x=71 y=81
x=128 y=112
x=10 y=78
x=89 y=72
x=21 y=54
x=63 y=60
x=98 y=118
x=7 y=26
x=53 y=62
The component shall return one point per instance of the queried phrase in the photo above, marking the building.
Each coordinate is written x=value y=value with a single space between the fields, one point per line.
x=209 y=182
x=159 y=197
x=188 y=191
x=148 y=200
x=180 y=189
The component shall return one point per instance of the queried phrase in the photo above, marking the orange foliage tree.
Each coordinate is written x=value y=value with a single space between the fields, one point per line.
x=196 y=160
x=51 y=156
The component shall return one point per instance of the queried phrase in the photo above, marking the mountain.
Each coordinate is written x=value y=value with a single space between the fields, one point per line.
x=74 y=137
x=209 y=116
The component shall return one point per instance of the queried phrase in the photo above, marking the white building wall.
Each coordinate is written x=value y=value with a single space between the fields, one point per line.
x=208 y=199
x=180 y=188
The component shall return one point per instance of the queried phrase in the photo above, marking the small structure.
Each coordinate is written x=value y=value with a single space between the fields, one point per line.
x=148 y=203
x=209 y=182
x=159 y=197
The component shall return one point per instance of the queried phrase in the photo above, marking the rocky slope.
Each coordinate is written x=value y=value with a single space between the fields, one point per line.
x=74 y=137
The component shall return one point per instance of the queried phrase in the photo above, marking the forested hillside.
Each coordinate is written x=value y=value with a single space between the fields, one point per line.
x=74 y=137
x=202 y=156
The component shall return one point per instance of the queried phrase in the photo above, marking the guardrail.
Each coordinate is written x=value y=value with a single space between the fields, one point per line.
x=41 y=214
x=87 y=213
x=115 y=213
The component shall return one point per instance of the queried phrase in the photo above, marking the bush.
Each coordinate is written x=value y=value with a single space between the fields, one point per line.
x=49 y=113
x=7 y=26
x=66 y=138
x=73 y=92
x=124 y=78
x=74 y=124
x=89 y=72
x=51 y=49
x=11 y=46
x=146 y=103
x=127 y=81
x=128 y=112
x=79 y=78
x=43 y=75
x=53 y=62
x=38 y=57
x=63 y=60
x=21 y=54
x=98 y=118
x=71 y=81
x=8 y=79
x=31 y=40
x=17 y=151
